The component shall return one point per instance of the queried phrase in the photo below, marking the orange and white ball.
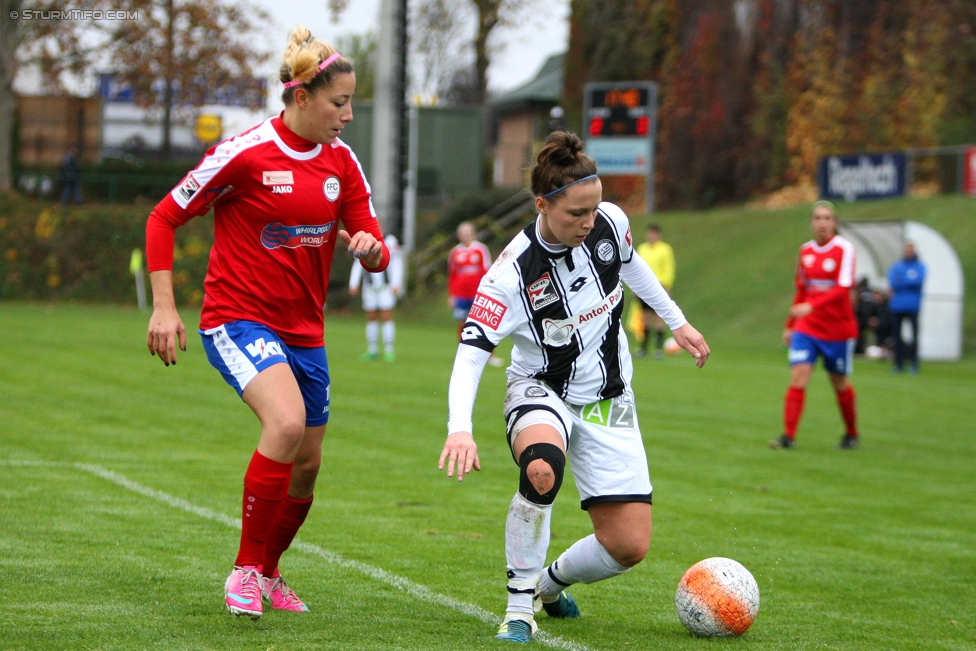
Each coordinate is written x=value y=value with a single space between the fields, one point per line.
x=717 y=597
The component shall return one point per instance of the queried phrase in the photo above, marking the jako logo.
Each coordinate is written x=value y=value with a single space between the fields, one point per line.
x=265 y=350
x=281 y=189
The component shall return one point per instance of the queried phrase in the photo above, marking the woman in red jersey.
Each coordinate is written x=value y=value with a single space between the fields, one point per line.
x=277 y=192
x=822 y=322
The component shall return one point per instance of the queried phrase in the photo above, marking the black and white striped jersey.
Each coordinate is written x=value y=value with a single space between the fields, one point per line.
x=562 y=307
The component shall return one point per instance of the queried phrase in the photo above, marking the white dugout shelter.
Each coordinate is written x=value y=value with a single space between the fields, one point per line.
x=878 y=245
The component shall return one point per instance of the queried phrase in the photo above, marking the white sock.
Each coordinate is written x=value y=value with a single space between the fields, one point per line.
x=526 y=544
x=389 y=335
x=586 y=561
x=372 y=336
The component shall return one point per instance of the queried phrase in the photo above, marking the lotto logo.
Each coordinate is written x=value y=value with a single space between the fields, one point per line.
x=471 y=332
x=487 y=311
x=265 y=350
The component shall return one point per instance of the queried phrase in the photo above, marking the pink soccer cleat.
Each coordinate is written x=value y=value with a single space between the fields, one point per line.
x=242 y=592
x=280 y=595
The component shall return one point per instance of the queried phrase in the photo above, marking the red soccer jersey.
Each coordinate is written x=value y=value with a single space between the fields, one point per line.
x=465 y=267
x=824 y=277
x=277 y=199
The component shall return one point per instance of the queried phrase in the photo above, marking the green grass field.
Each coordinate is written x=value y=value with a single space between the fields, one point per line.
x=120 y=480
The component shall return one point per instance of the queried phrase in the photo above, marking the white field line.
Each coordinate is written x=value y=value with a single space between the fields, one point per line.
x=400 y=583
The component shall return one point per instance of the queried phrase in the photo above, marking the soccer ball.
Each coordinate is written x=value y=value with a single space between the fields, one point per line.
x=717 y=597
x=671 y=346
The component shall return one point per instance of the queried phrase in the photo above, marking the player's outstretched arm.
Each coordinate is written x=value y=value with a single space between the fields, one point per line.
x=692 y=341
x=166 y=328
x=459 y=449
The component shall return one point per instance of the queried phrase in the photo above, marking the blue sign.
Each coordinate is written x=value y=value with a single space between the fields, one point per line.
x=864 y=176
x=620 y=155
x=246 y=92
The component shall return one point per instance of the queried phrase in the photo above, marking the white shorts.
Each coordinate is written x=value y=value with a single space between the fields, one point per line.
x=603 y=440
x=380 y=298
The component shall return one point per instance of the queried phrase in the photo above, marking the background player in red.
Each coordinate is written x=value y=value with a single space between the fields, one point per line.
x=466 y=264
x=822 y=322
x=277 y=191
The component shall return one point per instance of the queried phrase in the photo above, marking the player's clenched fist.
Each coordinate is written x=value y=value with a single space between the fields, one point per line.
x=459 y=449
x=363 y=246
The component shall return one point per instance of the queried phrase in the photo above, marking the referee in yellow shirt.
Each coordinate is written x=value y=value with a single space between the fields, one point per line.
x=660 y=258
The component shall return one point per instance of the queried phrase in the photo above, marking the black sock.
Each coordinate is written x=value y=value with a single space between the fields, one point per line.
x=660 y=339
x=647 y=339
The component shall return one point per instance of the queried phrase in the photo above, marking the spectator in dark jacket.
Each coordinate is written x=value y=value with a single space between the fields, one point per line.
x=906 y=278
x=69 y=176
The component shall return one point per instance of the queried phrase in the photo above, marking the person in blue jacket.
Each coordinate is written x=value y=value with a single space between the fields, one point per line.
x=905 y=278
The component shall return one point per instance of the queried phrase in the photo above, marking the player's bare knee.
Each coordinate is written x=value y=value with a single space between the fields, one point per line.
x=542 y=466
x=542 y=476
x=289 y=428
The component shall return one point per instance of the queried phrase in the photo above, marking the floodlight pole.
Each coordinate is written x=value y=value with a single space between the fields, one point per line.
x=386 y=175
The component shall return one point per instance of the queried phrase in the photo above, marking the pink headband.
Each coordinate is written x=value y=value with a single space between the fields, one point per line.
x=322 y=66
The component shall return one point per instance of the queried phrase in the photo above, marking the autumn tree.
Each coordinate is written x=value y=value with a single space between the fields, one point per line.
x=360 y=50
x=9 y=40
x=438 y=41
x=177 y=52
x=184 y=50
x=492 y=15
x=754 y=92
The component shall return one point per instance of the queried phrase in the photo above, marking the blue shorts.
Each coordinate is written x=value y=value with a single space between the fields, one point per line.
x=461 y=308
x=242 y=349
x=838 y=355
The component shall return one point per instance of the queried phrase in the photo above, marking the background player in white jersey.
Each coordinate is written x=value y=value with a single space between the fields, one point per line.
x=380 y=293
x=556 y=291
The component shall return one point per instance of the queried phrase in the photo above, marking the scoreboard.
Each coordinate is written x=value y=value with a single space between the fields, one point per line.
x=619 y=129
x=619 y=111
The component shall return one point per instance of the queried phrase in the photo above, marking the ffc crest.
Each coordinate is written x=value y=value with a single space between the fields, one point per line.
x=541 y=292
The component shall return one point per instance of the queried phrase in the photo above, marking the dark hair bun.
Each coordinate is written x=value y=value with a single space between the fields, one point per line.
x=561 y=148
x=560 y=161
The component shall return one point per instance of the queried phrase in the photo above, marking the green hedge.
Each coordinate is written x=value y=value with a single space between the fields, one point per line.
x=112 y=180
x=49 y=251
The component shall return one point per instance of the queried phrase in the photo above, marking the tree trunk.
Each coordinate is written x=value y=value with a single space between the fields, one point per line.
x=487 y=19
x=9 y=37
x=168 y=75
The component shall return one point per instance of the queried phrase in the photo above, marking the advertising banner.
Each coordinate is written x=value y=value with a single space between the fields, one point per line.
x=863 y=176
x=620 y=155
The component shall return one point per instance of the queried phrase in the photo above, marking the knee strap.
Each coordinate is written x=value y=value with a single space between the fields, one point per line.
x=556 y=459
